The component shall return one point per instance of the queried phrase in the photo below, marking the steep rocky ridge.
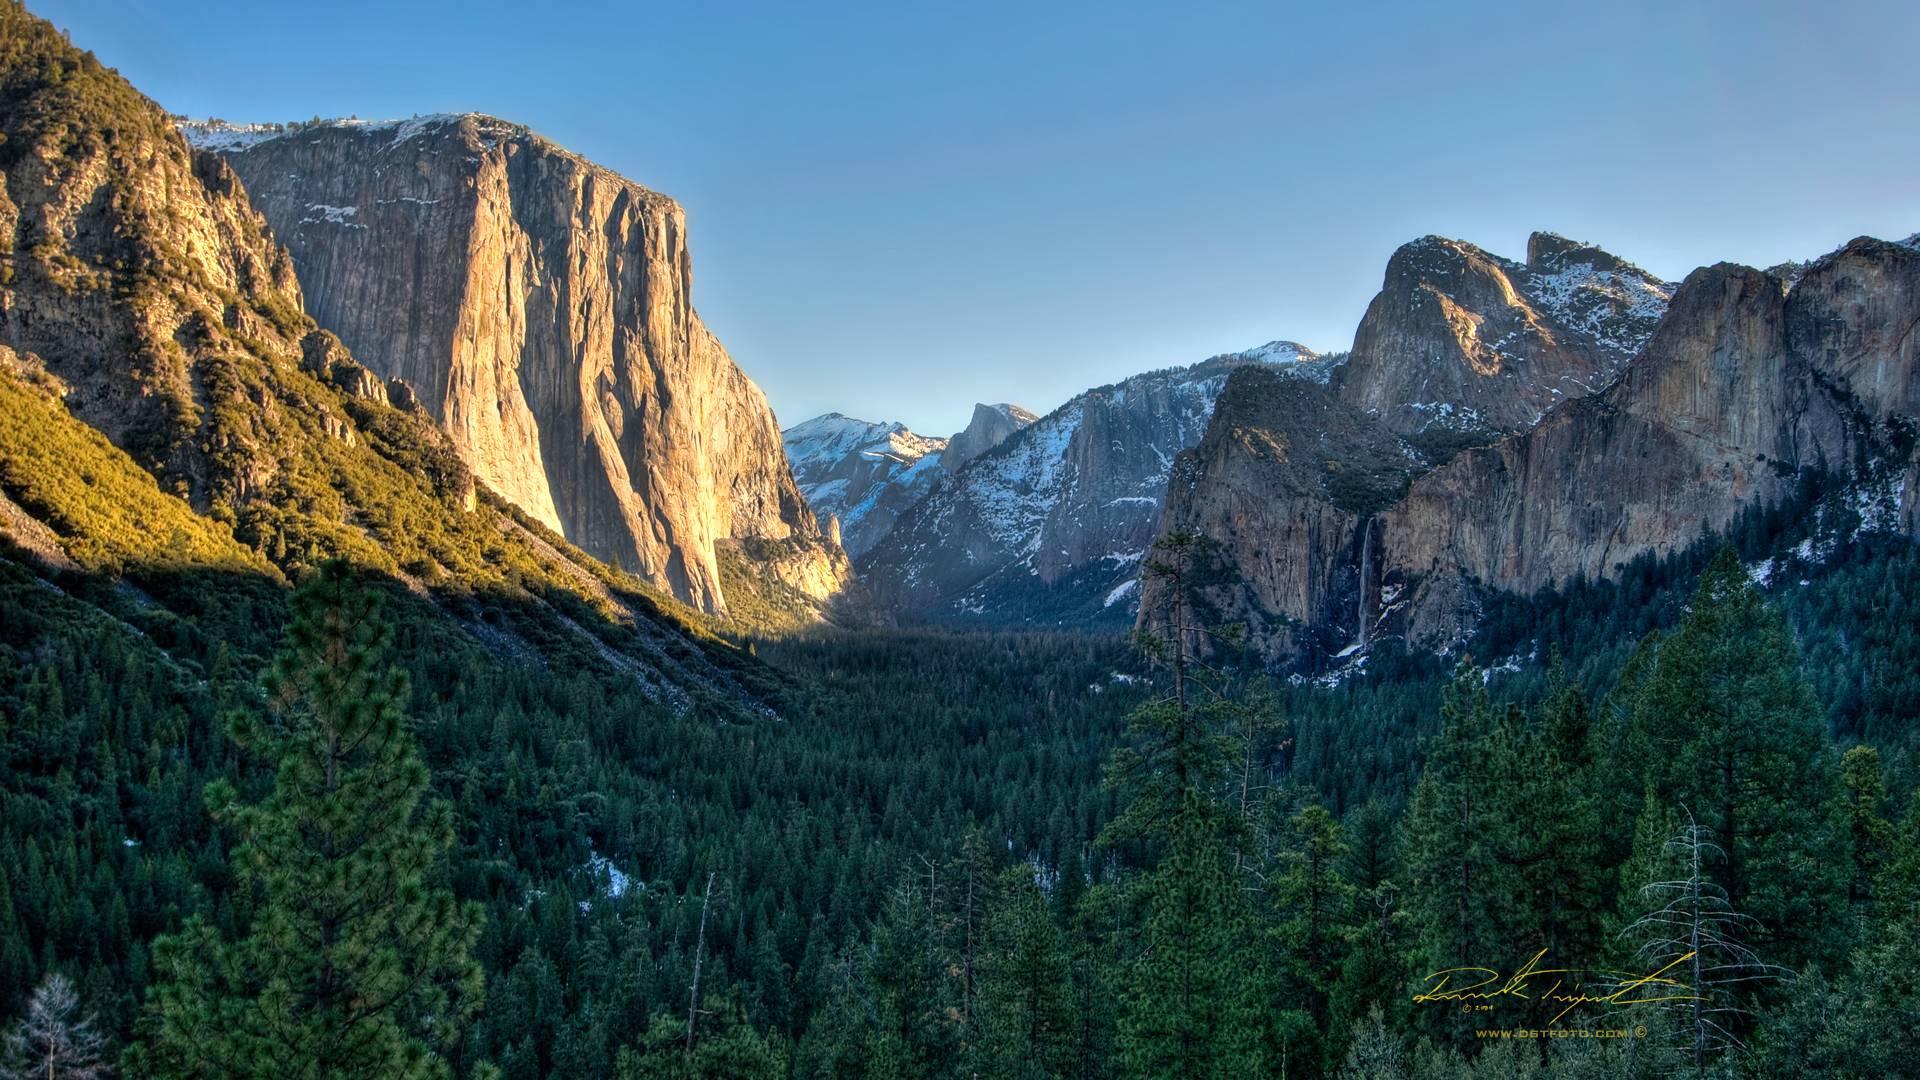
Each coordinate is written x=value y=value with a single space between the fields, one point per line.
x=1285 y=487
x=1749 y=383
x=1050 y=526
x=1461 y=346
x=176 y=431
x=540 y=308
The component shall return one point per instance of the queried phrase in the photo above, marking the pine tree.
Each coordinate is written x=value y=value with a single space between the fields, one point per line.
x=1451 y=842
x=54 y=1042
x=1872 y=835
x=1313 y=903
x=1731 y=728
x=1192 y=1008
x=917 y=1033
x=728 y=1049
x=1544 y=823
x=354 y=962
x=1024 y=1022
x=1897 y=886
x=1859 y=1023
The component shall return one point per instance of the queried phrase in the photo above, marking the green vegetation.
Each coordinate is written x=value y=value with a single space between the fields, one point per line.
x=351 y=962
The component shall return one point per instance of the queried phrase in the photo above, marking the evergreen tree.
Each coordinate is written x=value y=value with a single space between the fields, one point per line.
x=917 y=1033
x=1451 y=842
x=727 y=1049
x=1897 y=886
x=1730 y=728
x=354 y=961
x=1313 y=903
x=1024 y=1023
x=1192 y=1007
x=1860 y=1023
x=1871 y=835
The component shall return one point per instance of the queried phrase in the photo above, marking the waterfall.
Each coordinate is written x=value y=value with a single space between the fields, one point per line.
x=1363 y=613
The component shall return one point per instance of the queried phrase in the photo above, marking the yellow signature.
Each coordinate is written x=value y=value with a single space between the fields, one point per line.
x=1567 y=988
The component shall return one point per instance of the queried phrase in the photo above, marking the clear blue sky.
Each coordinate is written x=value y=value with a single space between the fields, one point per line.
x=899 y=209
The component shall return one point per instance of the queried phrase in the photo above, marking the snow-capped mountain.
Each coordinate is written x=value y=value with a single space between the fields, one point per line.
x=1051 y=526
x=861 y=474
x=1463 y=345
x=864 y=475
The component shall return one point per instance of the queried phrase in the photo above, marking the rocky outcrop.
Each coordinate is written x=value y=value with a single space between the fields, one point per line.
x=990 y=426
x=1286 y=484
x=1461 y=346
x=1749 y=383
x=540 y=309
x=1050 y=526
x=131 y=266
x=861 y=475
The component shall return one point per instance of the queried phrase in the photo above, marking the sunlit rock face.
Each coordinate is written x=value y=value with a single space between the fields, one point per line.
x=1465 y=342
x=540 y=308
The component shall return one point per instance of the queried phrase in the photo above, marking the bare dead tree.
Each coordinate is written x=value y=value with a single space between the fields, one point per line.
x=53 y=1041
x=1694 y=935
x=699 y=954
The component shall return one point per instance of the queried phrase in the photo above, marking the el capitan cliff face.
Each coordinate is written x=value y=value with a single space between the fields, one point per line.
x=540 y=308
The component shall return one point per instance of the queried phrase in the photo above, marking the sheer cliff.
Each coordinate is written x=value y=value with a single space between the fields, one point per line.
x=178 y=438
x=540 y=308
x=1750 y=384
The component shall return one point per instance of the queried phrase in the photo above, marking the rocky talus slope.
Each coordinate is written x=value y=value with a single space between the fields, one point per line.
x=540 y=308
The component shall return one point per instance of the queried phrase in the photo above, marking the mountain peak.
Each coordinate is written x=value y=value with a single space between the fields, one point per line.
x=991 y=425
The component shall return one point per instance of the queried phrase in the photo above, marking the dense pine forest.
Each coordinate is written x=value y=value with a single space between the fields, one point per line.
x=1018 y=854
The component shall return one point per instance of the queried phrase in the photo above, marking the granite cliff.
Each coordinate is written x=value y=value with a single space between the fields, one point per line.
x=179 y=439
x=1461 y=346
x=539 y=307
x=1750 y=384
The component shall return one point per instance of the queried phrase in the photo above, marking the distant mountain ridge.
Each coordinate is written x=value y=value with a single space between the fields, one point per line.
x=860 y=475
x=1050 y=526
x=864 y=475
